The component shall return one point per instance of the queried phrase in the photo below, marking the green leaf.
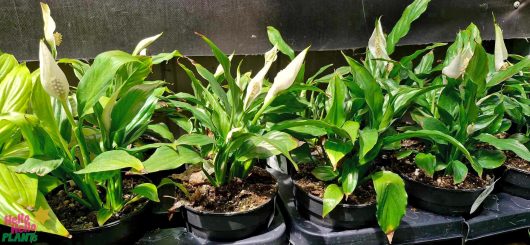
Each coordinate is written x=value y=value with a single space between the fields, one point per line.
x=427 y=162
x=103 y=215
x=48 y=183
x=391 y=200
x=490 y=159
x=324 y=173
x=367 y=139
x=21 y=188
x=336 y=150
x=332 y=197
x=112 y=160
x=431 y=123
x=336 y=114
x=477 y=69
x=317 y=123
x=402 y=27
x=166 y=158
x=352 y=128
x=371 y=89
x=403 y=154
x=15 y=90
x=350 y=176
x=506 y=145
x=38 y=167
x=162 y=130
x=161 y=57
x=194 y=139
x=128 y=106
x=147 y=190
x=276 y=39
x=7 y=63
x=501 y=76
x=459 y=171
x=435 y=135
x=98 y=78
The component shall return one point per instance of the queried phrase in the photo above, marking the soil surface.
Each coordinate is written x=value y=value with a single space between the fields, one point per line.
x=237 y=196
x=513 y=161
x=363 y=194
x=75 y=216
x=406 y=167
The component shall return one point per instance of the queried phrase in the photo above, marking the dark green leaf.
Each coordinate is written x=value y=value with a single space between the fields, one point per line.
x=490 y=159
x=410 y=14
x=325 y=173
x=427 y=162
x=391 y=200
x=459 y=171
x=276 y=39
x=506 y=145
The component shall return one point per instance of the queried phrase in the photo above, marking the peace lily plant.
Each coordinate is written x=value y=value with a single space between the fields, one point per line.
x=468 y=111
x=85 y=136
x=226 y=135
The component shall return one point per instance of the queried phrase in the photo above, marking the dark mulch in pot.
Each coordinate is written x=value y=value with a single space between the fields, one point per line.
x=513 y=161
x=363 y=194
x=75 y=216
x=407 y=167
x=237 y=196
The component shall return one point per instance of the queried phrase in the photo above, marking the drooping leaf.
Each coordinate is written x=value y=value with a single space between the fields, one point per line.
x=506 y=145
x=427 y=162
x=332 y=197
x=367 y=139
x=336 y=150
x=147 y=190
x=38 y=167
x=325 y=173
x=166 y=158
x=490 y=159
x=391 y=200
x=459 y=171
x=350 y=176
x=112 y=160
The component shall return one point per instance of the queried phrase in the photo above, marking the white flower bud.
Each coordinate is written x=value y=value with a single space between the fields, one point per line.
x=285 y=78
x=501 y=54
x=458 y=65
x=142 y=45
x=52 y=77
x=254 y=86
x=219 y=71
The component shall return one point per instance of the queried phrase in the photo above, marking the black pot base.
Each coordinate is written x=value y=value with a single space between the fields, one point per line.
x=516 y=182
x=273 y=234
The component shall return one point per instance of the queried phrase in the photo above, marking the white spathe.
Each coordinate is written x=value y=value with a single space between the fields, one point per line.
x=255 y=84
x=52 y=77
x=285 y=78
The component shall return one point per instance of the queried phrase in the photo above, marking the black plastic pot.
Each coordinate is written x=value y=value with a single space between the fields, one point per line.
x=125 y=231
x=516 y=182
x=344 y=216
x=440 y=200
x=228 y=226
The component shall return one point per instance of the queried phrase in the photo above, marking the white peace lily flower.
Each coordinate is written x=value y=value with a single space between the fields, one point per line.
x=377 y=43
x=285 y=78
x=254 y=86
x=142 y=45
x=49 y=25
x=52 y=77
x=501 y=54
x=458 y=65
x=219 y=71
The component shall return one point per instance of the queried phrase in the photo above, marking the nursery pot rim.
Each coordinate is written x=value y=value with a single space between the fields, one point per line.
x=228 y=214
x=114 y=223
x=441 y=188
x=346 y=205
x=517 y=170
x=123 y=219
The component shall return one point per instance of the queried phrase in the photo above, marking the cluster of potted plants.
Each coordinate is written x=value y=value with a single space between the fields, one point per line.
x=362 y=141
